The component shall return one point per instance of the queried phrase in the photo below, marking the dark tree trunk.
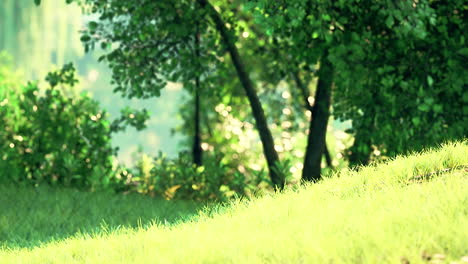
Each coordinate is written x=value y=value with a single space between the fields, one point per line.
x=197 y=149
x=318 y=125
x=327 y=155
x=265 y=134
x=305 y=97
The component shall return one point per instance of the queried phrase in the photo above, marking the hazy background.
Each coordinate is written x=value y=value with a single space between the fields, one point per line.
x=43 y=38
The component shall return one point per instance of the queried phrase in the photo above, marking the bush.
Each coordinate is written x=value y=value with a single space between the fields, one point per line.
x=179 y=179
x=49 y=137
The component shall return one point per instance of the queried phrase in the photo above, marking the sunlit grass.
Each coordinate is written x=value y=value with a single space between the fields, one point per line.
x=400 y=212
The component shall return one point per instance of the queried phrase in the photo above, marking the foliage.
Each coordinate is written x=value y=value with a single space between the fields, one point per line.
x=48 y=137
x=180 y=179
x=400 y=66
x=228 y=127
x=163 y=49
x=130 y=117
x=175 y=42
x=377 y=215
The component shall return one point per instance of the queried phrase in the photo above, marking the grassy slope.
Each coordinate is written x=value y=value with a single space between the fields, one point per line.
x=33 y=216
x=377 y=215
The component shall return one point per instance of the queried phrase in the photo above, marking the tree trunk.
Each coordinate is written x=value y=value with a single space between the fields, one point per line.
x=265 y=134
x=318 y=125
x=327 y=155
x=197 y=149
x=305 y=97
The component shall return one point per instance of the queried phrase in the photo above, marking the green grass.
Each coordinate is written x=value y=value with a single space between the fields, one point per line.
x=33 y=216
x=387 y=213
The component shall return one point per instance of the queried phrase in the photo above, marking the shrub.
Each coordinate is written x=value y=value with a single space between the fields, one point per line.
x=49 y=137
x=178 y=178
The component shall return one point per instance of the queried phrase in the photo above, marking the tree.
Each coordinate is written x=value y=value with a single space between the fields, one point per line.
x=287 y=21
x=399 y=66
x=155 y=45
x=197 y=148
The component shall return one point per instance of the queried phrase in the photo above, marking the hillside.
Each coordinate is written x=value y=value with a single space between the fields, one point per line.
x=410 y=210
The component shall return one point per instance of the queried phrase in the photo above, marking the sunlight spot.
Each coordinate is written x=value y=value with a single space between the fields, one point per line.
x=241 y=169
x=12 y=145
x=237 y=131
x=279 y=148
x=245 y=34
x=256 y=167
x=340 y=134
x=287 y=111
x=286 y=124
x=293 y=170
x=299 y=153
x=171 y=86
x=286 y=135
x=299 y=165
x=286 y=95
x=4 y=102
x=288 y=146
x=93 y=75
x=219 y=108
x=205 y=146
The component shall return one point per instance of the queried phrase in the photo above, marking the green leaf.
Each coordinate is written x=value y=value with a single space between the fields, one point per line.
x=416 y=120
x=424 y=108
x=463 y=52
x=438 y=108
x=429 y=100
x=389 y=21
x=37 y=2
x=430 y=81
x=85 y=38
x=326 y=17
x=93 y=25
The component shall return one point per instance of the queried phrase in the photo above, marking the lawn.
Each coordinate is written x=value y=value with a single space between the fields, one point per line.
x=412 y=209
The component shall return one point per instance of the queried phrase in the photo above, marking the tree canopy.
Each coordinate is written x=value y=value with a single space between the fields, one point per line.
x=396 y=69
